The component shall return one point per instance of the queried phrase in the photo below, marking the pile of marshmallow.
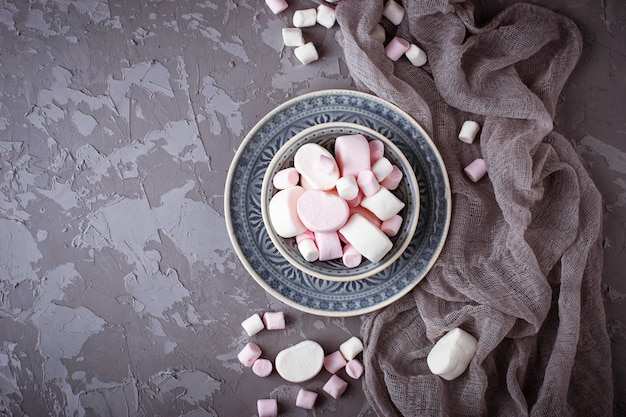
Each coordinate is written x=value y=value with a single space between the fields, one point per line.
x=478 y=168
x=299 y=363
x=341 y=205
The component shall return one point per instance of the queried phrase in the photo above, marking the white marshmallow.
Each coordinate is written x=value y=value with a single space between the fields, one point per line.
x=326 y=16
x=351 y=347
x=468 y=132
x=253 y=324
x=304 y=18
x=379 y=33
x=416 y=55
x=382 y=168
x=283 y=212
x=394 y=12
x=277 y=6
x=347 y=187
x=452 y=354
x=300 y=362
x=308 y=250
x=306 y=53
x=293 y=37
x=366 y=238
x=306 y=160
x=384 y=204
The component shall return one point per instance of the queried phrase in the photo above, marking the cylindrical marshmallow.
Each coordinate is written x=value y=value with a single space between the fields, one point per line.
x=306 y=53
x=368 y=184
x=262 y=367
x=396 y=48
x=328 y=246
x=267 y=407
x=304 y=18
x=351 y=257
x=293 y=37
x=249 y=354
x=326 y=16
x=253 y=324
x=352 y=153
x=356 y=201
x=286 y=178
x=394 y=12
x=378 y=33
x=452 y=354
x=366 y=238
x=300 y=362
x=306 y=161
x=305 y=235
x=335 y=386
x=347 y=187
x=382 y=168
x=334 y=362
x=416 y=55
x=377 y=150
x=367 y=214
x=283 y=212
x=384 y=204
x=469 y=130
x=320 y=211
x=306 y=399
x=276 y=6
x=391 y=226
x=274 y=320
x=392 y=180
x=476 y=170
x=351 y=347
x=308 y=250
x=354 y=369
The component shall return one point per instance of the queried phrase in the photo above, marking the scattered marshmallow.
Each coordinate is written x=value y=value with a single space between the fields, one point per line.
x=334 y=362
x=304 y=18
x=416 y=55
x=286 y=178
x=476 y=170
x=306 y=399
x=326 y=16
x=300 y=362
x=366 y=238
x=347 y=187
x=378 y=33
x=262 y=367
x=396 y=48
x=277 y=6
x=293 y=37
x=452 y=354
x=274 y=320
x=267 y=407
x=283 y=214
x=249 y=354
x=335 y=386
x=394 y=12
x=392 y=225
x=354 y=369
x=351 y=347
x=253 y=324
x=468 y=132
x=306 y=53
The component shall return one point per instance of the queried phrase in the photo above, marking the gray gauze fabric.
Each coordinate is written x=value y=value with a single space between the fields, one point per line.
x=521 y=267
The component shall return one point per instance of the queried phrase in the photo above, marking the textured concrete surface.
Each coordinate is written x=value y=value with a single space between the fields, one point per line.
x=120 y=294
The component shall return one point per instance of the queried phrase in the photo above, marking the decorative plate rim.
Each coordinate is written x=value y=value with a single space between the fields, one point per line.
x=407 y=278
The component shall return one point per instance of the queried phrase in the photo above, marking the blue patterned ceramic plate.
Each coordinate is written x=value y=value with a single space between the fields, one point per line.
x=257 y=251
x=325 y=134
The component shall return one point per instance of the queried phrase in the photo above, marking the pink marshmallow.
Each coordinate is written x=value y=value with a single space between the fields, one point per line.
x=320 y=211
x=354 y=369
x=377 y=150
x=334 y=362
x=367 y=214
x=274 y=320
x=326 y=164
x=267 y=407
x=335 y=386
x=476 y=170
x=351 y=257
x=249 y=354
x=352 y=153
x=306 y=399
x=286 y=178
x=382 y=168
x=368 y=184
x=276 y=6
x=355 y=202
x=306 y=235
x=328 y=245
x=392 y=180
x=396 y=48
x=262 y=367
x=391 y=226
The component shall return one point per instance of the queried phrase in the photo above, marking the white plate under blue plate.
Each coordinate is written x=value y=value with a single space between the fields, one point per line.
x=257 y=251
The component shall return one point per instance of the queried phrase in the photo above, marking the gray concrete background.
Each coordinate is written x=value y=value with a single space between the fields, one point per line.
x=120 y=294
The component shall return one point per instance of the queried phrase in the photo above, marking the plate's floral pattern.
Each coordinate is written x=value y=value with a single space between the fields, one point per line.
x=254 y=246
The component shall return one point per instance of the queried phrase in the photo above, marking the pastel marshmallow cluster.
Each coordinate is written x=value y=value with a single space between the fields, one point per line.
x=339 y=205
x=452 y=354
x=477 y=168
